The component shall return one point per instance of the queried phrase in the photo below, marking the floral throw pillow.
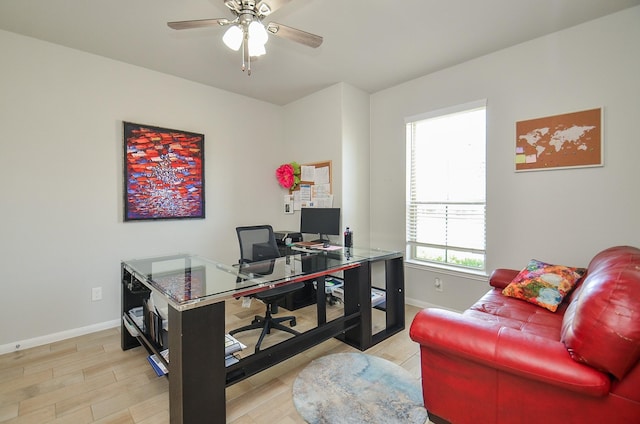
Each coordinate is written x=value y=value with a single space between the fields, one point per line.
x=544 y=284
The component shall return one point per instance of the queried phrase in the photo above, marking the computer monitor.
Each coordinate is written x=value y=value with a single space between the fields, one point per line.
x=321 y=221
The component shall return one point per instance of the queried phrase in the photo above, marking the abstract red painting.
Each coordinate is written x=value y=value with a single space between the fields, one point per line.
x=163 y=173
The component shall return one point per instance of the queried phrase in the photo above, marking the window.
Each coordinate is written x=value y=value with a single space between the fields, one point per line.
x=446 y=187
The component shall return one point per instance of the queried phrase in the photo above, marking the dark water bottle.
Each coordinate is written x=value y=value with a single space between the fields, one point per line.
x=348 y=238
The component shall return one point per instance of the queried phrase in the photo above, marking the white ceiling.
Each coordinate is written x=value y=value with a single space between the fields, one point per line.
x=370 y=44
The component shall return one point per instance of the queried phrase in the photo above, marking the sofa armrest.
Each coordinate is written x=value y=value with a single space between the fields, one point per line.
x=506 y=349
x=501 y=277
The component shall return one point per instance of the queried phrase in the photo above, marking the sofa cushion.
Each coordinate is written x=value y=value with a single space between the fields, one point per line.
x=601 y=326
x=544 y=284
x=525 y=317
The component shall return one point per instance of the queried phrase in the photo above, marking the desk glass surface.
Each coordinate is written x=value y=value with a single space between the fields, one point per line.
x=189 y=281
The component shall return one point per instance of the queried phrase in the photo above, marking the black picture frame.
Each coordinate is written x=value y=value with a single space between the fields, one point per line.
x=163 y=173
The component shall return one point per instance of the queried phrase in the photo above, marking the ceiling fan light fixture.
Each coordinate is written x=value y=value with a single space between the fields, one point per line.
x=233 y=37
x=256 y=49
x=247 y=31
x=257 y=33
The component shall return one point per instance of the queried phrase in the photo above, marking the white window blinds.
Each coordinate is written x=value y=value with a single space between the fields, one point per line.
x=446 y=186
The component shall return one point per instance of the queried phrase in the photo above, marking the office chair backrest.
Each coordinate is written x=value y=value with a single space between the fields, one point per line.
x=257 y=242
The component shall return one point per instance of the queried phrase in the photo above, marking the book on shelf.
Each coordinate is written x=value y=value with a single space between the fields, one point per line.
x=333 y=282
x=377 y=296
x=157 y=365
x=155 y=326
x=231 y=346
x=230 y=360
x=330 y=284
x=137 y=316
x=130 y=327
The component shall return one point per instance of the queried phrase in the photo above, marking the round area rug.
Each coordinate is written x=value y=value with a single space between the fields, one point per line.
x=357 y=388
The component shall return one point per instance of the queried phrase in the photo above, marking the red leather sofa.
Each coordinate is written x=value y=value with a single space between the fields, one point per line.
x=505 y=360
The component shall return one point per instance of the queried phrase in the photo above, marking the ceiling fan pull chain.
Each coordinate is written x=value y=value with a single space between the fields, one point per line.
x=244 y=49
x=246 y=57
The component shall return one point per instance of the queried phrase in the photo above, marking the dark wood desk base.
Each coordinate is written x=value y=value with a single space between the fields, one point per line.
x=197 y=373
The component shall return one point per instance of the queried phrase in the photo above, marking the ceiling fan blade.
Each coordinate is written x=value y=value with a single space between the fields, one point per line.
x=266 y=7
x=293 y=34
x=199 y=23
x=234 y=5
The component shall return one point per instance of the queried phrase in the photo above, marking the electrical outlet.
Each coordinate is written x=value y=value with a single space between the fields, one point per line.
x=96 y=293
x=438 y=284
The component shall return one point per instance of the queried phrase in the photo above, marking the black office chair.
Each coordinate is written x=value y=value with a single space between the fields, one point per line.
x=258 y=243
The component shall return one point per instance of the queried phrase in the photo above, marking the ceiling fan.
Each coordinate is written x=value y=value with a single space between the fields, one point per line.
x=248 y=31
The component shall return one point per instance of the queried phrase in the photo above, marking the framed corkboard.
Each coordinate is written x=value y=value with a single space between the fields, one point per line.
x=315 y=188
x=560 y=141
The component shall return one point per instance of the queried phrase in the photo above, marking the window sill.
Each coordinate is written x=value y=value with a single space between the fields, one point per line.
x=449 y=270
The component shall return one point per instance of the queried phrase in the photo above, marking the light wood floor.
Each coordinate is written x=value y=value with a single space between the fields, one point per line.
x=89 y=379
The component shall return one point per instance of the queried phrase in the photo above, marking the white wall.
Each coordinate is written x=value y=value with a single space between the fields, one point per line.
x=61 y=228
x=333 y=124
x=356 y=161
x=313 y=134
x=560 y=216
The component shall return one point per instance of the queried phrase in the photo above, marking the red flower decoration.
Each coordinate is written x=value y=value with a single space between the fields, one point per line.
x=288 y=175
x=285 y=175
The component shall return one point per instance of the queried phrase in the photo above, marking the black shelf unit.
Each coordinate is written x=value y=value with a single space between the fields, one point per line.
x=197 y=372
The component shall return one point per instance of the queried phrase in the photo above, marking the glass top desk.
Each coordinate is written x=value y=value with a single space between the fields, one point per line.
x=195 y=289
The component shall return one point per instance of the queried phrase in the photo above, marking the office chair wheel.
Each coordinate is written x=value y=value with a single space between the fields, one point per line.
x=293 y=323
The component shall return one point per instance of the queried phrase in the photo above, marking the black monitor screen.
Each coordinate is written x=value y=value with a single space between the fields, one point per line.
x=322 y=221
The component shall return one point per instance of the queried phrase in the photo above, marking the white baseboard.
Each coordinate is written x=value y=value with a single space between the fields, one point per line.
x=63 y=335
x=56 y=337
x=422 y=304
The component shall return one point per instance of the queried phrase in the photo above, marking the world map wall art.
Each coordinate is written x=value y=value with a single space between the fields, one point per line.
x=163 y=173
x=560 y=141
